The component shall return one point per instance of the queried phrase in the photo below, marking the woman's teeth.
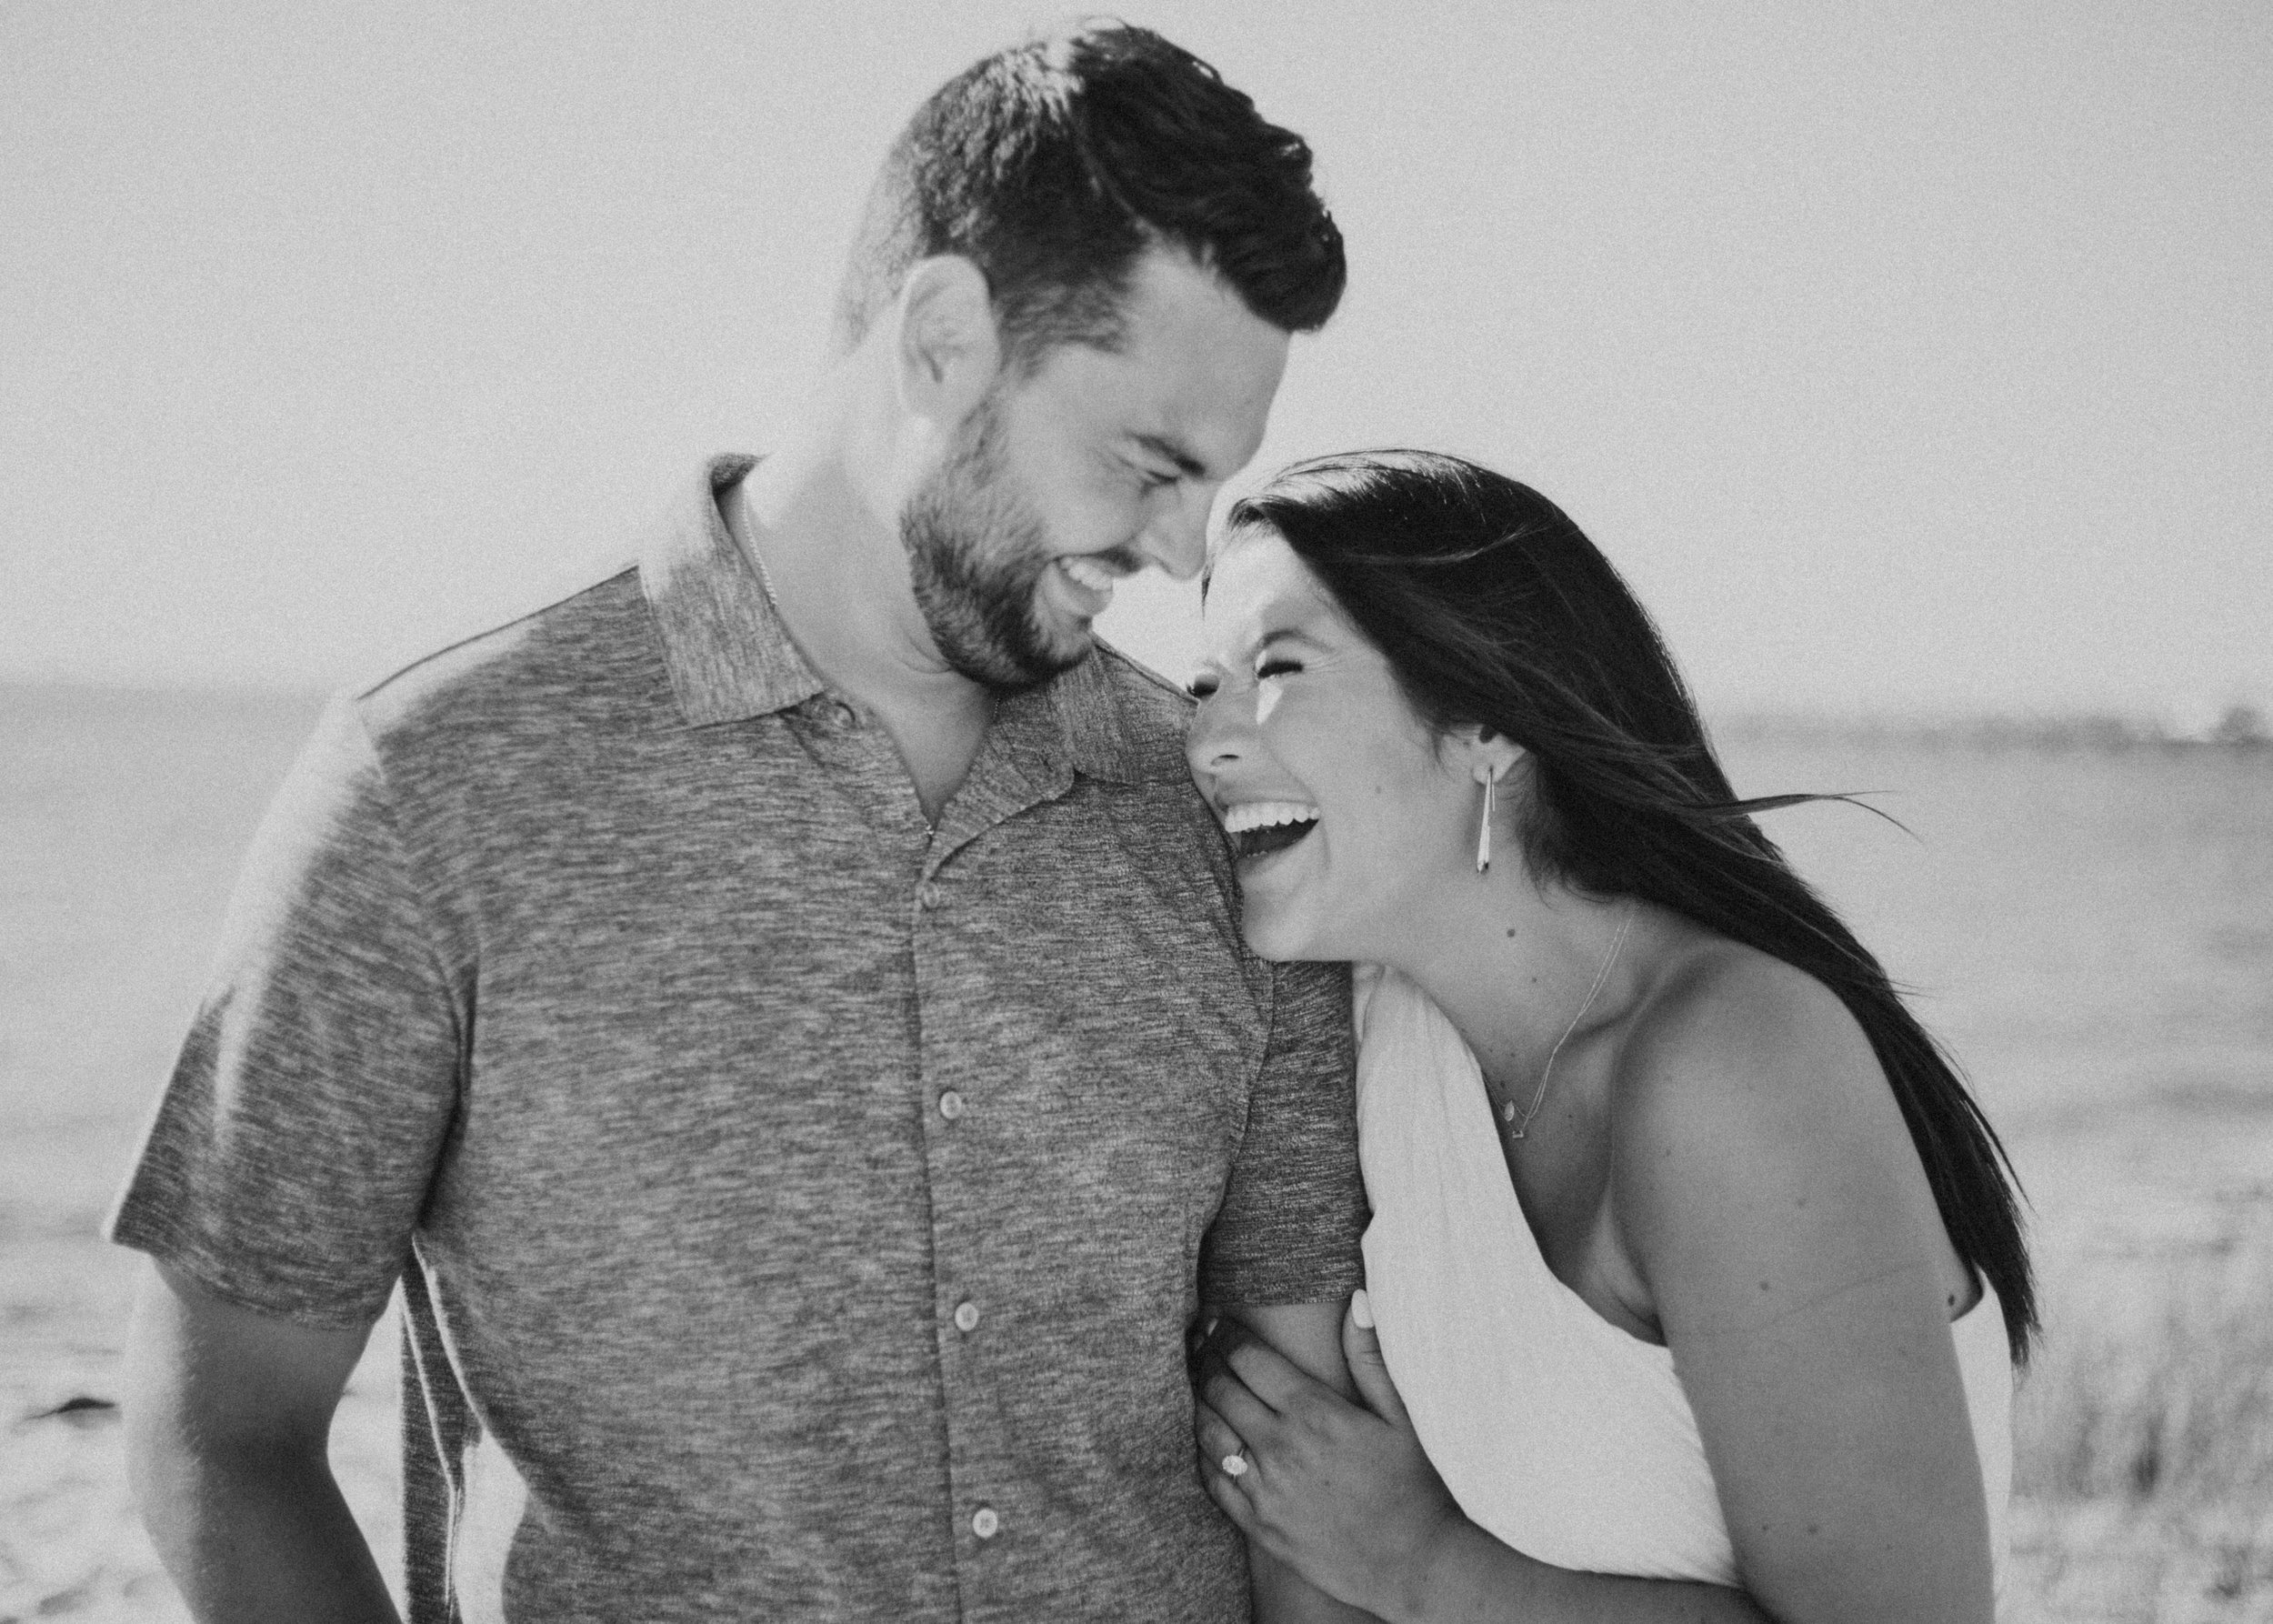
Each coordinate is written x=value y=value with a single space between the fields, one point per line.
x=1256 y=815
x=1259 y=826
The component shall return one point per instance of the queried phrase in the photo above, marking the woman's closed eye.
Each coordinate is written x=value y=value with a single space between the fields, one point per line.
x=1204 y=685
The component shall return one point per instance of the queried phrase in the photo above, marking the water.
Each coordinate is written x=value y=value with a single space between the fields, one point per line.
x=2087 y=926
x=2091 y=930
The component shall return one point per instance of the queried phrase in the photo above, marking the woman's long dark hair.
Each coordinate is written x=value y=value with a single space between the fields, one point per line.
x=1495 y=610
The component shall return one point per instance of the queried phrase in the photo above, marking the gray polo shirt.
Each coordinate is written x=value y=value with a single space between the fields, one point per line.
x=799 y=1208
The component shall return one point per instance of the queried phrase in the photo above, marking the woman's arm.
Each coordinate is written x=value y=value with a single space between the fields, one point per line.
x=1769 y=1193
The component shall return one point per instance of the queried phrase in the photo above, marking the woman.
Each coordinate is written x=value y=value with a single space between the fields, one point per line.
x=1698 y=1274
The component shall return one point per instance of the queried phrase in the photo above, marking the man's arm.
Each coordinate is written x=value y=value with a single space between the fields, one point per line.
x=228 y=1414
x=1310 y=1336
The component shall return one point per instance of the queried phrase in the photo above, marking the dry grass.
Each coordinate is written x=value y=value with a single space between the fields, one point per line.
x=2144 y=1478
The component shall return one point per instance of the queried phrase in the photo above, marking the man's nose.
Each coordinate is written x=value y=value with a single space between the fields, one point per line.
x=1177 y=539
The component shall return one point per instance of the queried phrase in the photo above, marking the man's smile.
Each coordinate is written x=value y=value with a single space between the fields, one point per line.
x=1093 y=583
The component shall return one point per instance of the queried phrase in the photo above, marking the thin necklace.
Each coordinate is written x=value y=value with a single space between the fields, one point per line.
x=1507 y=1108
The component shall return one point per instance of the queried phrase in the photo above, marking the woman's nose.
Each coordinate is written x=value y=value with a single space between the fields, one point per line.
x=1215 y=740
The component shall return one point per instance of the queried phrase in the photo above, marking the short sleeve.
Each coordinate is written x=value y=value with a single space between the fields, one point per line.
x=291 y=1151
x=1295 y=1212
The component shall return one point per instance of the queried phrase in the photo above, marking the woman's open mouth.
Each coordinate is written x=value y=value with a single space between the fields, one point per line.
x=1260 y=827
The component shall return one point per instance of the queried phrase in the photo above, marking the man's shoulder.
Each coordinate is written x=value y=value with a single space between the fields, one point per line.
x=1154 y=713
x=1140 y=686
x=587 y=655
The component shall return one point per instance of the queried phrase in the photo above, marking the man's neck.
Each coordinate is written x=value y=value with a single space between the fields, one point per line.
x=838 y=576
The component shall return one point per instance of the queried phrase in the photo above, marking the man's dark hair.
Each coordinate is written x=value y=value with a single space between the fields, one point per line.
x=1054 y=165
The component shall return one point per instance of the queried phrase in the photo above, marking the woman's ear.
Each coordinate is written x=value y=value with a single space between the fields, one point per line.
x=948 y=346
x=1483 y=755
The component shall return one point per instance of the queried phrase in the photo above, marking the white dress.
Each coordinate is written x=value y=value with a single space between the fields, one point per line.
x=1558 y=1433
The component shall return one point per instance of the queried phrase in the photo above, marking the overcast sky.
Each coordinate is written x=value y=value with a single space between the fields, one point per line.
x=1905 y=357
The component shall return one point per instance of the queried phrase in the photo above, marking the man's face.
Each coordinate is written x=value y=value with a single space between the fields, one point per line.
x=1089 y=468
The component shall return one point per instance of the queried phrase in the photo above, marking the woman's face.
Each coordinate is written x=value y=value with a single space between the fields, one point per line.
x=1342 y=811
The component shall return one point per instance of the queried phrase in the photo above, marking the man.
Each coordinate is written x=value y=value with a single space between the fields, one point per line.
x=780 y=1012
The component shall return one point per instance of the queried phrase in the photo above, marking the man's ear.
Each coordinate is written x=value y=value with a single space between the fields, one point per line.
x=1479 y=753
x=949 y=347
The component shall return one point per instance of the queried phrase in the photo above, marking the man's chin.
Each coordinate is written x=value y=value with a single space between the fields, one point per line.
x=1009 y=672
x=1066 y=653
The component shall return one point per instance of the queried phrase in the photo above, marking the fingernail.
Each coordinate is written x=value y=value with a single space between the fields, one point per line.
x=1233 y=1465
x=1361 y=1308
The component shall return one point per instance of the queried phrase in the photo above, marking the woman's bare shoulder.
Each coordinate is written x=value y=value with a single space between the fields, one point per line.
x=1752 y=1127
x=1725 y=1020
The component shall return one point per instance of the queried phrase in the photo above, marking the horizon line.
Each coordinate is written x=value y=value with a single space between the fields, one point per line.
x=2238 y=721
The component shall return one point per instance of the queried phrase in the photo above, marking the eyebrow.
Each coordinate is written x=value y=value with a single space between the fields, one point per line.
x=1160 y=445
x=1282 y=635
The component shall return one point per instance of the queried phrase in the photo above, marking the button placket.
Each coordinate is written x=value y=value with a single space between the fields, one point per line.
x=945 y=1152
x=957 y=1154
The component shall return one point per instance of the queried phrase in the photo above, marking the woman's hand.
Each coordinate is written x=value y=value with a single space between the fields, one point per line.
x=1341 y=1492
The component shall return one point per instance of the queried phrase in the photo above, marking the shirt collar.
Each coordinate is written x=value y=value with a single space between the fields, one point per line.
x=729 y=653
x=1101 y=727
x=730 y=657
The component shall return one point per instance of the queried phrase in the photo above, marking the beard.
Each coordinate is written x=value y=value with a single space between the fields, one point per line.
x=976 y=554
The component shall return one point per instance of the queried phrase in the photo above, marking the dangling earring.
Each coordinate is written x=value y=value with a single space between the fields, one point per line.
x=1484 y=830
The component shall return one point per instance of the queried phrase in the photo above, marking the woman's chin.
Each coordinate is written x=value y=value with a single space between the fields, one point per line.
x=1271 y=934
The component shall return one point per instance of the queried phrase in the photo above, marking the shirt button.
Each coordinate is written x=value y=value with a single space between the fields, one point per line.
x=985 y=1523
x=950 y=1105
x=846 y=717
x=930 y=896
x=967 y=1316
